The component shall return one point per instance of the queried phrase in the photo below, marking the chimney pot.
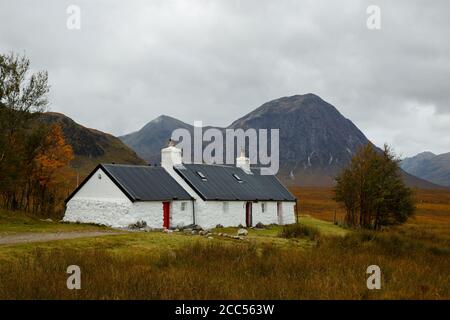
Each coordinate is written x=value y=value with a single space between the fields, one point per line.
x=243 y=162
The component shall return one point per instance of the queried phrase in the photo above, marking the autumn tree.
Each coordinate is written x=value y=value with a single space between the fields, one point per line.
x=49 y=173
x=372 y=191
x=32 y=154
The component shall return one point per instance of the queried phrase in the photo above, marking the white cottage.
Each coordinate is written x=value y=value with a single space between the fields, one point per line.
x=177 y=194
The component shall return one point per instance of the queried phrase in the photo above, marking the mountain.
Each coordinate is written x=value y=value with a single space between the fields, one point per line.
x=316 y=140
x=91 y=146
x=429 y=166
x=149 y=141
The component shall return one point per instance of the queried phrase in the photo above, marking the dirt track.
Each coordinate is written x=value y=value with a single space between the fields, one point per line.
x=42 y=237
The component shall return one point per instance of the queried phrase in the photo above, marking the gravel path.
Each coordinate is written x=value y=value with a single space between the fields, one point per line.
x=45 y=236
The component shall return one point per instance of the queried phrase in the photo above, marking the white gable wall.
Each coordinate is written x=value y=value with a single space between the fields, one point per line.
x=100 y=201
x=103 y=188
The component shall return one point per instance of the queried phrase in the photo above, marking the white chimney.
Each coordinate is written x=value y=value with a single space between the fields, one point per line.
x=170 y=156
x=243 y=162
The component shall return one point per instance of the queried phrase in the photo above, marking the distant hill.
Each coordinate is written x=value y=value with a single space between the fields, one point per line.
x=91 y=146
x=316 y=140
x=148 y=141
x=429 y=166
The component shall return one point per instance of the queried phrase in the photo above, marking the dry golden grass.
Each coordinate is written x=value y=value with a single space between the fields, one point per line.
x=318 y=203
x=433 y=207
x=414 y=259
x=335 y=269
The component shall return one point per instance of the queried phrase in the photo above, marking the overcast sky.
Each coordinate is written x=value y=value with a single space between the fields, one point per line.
x=216 y=60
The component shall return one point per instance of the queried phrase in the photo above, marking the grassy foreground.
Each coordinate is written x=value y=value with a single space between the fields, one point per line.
x=17 y=222
x=414 y=260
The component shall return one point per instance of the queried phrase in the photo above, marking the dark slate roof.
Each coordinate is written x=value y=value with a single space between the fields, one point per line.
x=220 y=184
x=141 y=183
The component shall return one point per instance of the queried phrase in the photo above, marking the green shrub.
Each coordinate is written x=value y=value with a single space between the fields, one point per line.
x=299 y=230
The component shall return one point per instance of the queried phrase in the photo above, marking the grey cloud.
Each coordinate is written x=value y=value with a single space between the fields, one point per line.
x=217 y=60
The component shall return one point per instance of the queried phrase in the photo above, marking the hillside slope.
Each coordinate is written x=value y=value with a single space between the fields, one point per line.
x=429 y=166
x=91 y=146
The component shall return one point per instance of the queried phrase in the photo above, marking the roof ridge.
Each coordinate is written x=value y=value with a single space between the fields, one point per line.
x=213 y=165
x=130 y=165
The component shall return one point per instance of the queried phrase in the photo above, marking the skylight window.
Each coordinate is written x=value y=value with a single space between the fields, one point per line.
x=201 y=175
x=237 y=177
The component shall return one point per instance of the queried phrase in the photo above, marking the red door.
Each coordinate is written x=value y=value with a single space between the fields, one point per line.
x=248 y=214
x=166 y=220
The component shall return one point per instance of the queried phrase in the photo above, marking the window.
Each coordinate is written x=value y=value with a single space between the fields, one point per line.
x=263 y=207
x=225 y=207
x=237 y=177
x=201 y=175
x=183 y=206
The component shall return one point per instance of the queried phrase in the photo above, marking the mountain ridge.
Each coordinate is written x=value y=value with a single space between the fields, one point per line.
x=316 y=140
x=429 y=166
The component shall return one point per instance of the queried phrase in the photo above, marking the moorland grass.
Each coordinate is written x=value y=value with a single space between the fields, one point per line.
x=414 y=259
x=20 y=222
x=200 y=269
x=299 y=230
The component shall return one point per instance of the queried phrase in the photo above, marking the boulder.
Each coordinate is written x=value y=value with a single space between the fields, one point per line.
x=138 y=225
x=260 y=225
x=242 y=232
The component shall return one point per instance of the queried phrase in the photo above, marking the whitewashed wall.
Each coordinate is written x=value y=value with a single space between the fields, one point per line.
x=269 y=215
x=103 y=188
x=100 y=201
x=152 y=212
x=288 y=212
x=108 y=212
x=119 y=214
x=211 y=213
x=179 y=218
